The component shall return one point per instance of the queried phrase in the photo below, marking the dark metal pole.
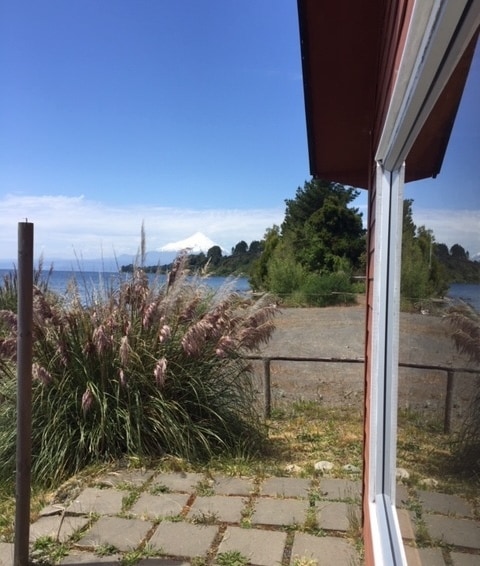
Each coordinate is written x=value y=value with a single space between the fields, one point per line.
x=447 y=425
x=266 y=388
x=24 y=392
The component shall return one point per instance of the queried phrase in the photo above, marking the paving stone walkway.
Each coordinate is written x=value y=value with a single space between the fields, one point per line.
x=189 y=519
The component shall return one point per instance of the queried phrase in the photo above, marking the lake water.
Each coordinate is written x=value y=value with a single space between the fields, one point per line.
x=468 y=292
x=90 y=281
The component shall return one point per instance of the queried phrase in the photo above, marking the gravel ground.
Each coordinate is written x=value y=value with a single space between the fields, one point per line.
x=338 y=332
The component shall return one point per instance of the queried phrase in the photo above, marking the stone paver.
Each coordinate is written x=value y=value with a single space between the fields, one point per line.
x=401 y=496
x=91 y=559
x=328 y=550
x=226 y=509
x=424 y=556
x=335 y=516
x=285 y=487
x=155 y=506
x=56 y=527
x=444 y=503
x=458 y=532
x=280 y=512
x=6 y=554
x=178 y=481
x=135 y=478
x=340 y=489
x=233 y=486
x=123 y=534
x=94 y=500
x=183 y=539
x=462 y=559
x=406 y=525
x=262 y=548
x=275 y=503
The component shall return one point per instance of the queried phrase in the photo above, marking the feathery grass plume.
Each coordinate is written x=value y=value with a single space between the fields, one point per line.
x=149 y=370
x=160 y=372
x=465 y=324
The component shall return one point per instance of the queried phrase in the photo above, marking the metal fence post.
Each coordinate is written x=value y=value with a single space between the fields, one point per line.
x=267 y=394
x=24 y=392
x=447 y=425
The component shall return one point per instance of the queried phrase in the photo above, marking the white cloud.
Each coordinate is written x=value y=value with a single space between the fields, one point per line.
x=452 y=226
x=69 y=227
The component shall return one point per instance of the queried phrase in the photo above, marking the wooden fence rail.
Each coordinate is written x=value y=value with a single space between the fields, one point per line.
x=450 y=372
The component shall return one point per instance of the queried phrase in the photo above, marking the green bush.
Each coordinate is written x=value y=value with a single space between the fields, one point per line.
x=149 y=370
x=328 y=289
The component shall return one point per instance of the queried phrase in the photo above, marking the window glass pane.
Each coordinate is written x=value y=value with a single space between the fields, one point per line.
x=438 y=449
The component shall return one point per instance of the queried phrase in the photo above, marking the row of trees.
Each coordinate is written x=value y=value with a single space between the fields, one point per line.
x=315 y=254
x=239 y=262
x=321 y=245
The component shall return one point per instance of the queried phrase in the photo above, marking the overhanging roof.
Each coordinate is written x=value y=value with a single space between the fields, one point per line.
x=351 y=54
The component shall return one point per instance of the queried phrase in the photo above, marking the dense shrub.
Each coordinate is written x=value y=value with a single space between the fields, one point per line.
x=149 y=370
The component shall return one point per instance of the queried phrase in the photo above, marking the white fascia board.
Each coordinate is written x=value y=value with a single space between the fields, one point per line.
x=438 y=35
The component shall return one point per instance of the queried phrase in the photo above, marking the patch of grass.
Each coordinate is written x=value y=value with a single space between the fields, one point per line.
x=204 y=488
x=129 y=499
x=158 y=489
x=105 y=550
x=134 y=556
x=304 y=561
x=205 y=518
x=231 y=558
x=311 y=521
x=46 y=550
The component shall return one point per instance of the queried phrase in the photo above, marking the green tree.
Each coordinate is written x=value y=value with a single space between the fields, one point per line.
x=240 y=248
x=322 y=228
x=214 y=254
x=259 y=274
x=458 y=252
x=255 y=247
x=422 y=275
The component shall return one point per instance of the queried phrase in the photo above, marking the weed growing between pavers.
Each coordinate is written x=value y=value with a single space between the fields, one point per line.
x=231 y=558
x=205 y=518
x=46 y=550
x=304 y=561
x=133 y=557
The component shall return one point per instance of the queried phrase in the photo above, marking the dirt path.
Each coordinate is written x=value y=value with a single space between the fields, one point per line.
x=338 y=332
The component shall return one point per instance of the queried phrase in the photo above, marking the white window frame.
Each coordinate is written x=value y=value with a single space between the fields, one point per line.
x=438 y=35
x=386 y=536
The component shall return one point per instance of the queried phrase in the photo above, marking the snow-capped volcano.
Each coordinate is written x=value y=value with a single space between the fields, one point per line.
x=194 y=244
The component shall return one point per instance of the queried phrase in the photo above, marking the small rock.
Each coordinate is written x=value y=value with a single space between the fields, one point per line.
x=293 y=469
x=323 y=466
x=402 y=474
x=429 y=482
x=351 y=468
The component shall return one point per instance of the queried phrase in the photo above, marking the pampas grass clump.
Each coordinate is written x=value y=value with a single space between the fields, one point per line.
x=149 y=370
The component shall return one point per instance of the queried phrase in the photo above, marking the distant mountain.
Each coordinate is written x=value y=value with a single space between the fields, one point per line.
x=194 y=244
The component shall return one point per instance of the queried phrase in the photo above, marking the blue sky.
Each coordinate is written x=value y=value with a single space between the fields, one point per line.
x=187 y=116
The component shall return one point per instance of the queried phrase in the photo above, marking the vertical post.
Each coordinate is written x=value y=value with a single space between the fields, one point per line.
x=24 y=392
x=447 y=424
x=267 y=394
